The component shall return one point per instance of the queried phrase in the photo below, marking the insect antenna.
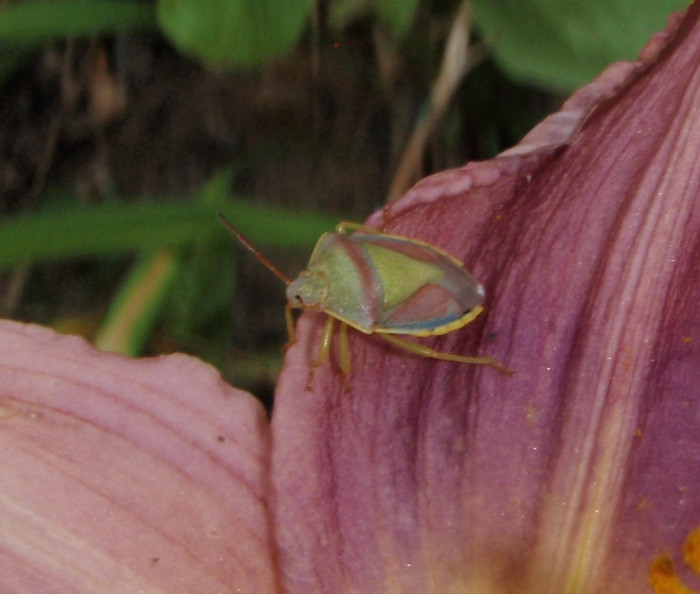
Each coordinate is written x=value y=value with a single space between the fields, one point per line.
x=250 y=247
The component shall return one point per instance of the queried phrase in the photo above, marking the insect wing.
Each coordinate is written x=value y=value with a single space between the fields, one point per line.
x=424 y=290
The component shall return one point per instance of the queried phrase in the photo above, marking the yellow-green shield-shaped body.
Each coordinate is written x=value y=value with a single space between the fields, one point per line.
x=387 y=284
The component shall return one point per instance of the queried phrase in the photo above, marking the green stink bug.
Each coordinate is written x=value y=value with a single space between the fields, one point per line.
x=381 y=284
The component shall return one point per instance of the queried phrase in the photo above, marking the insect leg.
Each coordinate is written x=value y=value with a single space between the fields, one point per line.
x=323 y=349
x=426 y=351
x=325 y=345
x=344 y=355
x=344 y=350
x=291 y=331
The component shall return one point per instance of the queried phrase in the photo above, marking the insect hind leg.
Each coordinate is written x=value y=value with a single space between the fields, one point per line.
x=426 y=351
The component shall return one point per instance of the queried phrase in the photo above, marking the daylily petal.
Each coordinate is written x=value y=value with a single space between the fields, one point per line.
x=126 y=476
x=573 y=476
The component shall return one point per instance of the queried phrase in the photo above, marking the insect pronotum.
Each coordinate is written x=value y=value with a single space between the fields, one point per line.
x=380 y=284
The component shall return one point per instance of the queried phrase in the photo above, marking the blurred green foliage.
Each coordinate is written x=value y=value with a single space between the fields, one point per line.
x=563 y=44
x=24 y=24
x=234 y=32
x=554 y=43
x=396 y=15
x=120 y=228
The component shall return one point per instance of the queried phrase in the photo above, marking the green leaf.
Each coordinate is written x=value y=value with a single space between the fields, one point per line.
x=565 y=44
x=31 y=23
x=396 y=14
x=202 y=291
x=111 y=229
x=234 y=32
x=138 y=304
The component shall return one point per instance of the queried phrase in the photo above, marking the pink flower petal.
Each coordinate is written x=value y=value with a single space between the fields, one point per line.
x=126 y=476
x=425 y=476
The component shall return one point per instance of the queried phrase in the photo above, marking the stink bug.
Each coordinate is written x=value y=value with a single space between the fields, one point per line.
x=381 y=284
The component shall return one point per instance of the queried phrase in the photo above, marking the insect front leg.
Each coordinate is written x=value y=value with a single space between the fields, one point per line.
x=426 y=351
x=291 y=330
x=323 y=349
x=325 y=344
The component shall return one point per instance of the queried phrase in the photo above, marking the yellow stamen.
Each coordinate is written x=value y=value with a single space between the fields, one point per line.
x=663 y=580
x=691 y=550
